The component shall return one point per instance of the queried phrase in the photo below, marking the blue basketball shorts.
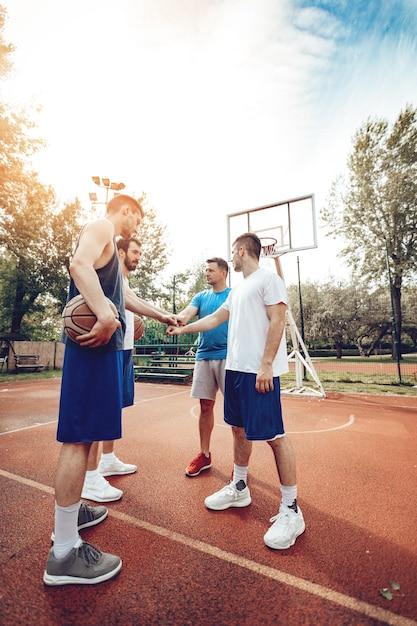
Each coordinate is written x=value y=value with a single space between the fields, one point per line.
x=260 y=414
x=91 y=396
x=128 y=378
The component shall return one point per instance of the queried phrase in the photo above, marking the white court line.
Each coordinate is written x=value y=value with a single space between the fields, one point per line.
x=322 y=430
x=350 y=421
x=18 y=430
x=346 y=602
x=169 y=395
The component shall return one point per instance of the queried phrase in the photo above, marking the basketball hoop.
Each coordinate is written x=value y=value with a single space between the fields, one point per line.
x=268 y=247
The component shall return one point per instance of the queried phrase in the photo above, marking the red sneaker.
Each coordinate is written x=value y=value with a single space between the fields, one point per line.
x=199 y=464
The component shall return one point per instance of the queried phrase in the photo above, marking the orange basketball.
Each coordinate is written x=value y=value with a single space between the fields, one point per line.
x=78 y=318
x=139 y=327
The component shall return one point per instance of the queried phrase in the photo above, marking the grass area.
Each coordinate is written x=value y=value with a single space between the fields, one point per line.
x=339 y=382
x=408 y=358
x=11 y=376
x=343 y=382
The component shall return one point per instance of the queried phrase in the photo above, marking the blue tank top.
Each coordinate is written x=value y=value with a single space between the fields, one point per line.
x=111 y=281
x=212 y=343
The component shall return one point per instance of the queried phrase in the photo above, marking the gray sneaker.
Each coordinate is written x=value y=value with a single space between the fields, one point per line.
x=229 y=496
x=89 y=516
x=84 y=565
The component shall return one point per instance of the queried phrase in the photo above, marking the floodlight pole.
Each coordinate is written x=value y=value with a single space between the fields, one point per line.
x=174 y=304
x=393 y=322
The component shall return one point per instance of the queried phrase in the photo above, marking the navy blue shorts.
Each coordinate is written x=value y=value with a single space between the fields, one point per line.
x=91 y=396
x=128 y=379
x=259 y=414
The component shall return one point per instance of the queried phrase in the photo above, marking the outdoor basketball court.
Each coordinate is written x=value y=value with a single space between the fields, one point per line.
x=183 y=564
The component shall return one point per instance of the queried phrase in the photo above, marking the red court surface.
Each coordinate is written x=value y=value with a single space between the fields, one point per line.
x=185 y=565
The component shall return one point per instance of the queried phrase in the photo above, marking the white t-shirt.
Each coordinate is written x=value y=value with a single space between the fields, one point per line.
x=130 y=331
x=129 y=339
x=249 y=323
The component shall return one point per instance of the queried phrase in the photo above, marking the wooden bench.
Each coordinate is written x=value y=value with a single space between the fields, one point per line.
x=166 y=359
x=168 y=362
x=164 y=367
x=141 y=374
x=28 y=362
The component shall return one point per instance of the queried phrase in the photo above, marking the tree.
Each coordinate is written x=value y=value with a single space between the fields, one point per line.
x=375 y=209
x=198 y=280
x=36 y=239
x=331 y=313
x=155 y=250
x=36 y=236
x=347 y=314
x=409 y=301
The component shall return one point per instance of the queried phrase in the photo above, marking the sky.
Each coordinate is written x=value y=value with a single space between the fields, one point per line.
x=210 y=107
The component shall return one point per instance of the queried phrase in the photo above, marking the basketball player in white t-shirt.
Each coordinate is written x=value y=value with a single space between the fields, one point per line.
x=256 y=357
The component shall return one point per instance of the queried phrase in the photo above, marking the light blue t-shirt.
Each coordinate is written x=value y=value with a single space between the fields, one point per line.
x=212 y=343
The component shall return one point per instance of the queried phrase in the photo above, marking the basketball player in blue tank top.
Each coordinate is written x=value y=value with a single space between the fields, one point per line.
x=91 y=392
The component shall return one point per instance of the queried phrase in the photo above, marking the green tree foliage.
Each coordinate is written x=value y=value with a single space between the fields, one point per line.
x=36 y=241
x=375 y=209
x=198 y=280
x=341 y=315
x=36 y=237
x=409 y=309
x=182 y=287
x=330 y=312
x=190 y=283
x=145 y=281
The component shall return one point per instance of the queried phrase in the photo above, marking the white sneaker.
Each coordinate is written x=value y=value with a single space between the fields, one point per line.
x=100 y=490
x=287 y=526
x=227 y=497
x=116 y=468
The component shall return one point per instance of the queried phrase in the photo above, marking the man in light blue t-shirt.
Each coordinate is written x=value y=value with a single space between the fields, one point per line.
x=210 y=360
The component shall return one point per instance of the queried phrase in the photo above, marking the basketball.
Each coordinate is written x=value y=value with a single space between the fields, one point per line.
x=139 y=327
x=78 y=318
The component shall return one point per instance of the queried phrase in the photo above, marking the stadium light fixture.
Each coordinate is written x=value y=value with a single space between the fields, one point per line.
x=105 y=183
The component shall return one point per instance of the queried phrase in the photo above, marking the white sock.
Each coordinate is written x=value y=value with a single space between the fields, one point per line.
x=289 y=495
x=109 y=457
x=91 y=475
x=66 y=529
x=240 y=473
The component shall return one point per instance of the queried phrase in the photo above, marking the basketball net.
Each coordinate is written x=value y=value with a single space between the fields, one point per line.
x=299 y=353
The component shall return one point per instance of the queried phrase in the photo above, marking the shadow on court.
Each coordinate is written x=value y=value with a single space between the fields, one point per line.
x=185 y=565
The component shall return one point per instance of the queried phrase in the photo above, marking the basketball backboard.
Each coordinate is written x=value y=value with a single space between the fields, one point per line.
x=291 y=222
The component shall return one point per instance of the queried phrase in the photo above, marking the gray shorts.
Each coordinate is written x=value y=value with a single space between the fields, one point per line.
x=208 y=377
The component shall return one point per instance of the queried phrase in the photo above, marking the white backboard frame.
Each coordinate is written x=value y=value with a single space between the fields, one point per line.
x=291 y=222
